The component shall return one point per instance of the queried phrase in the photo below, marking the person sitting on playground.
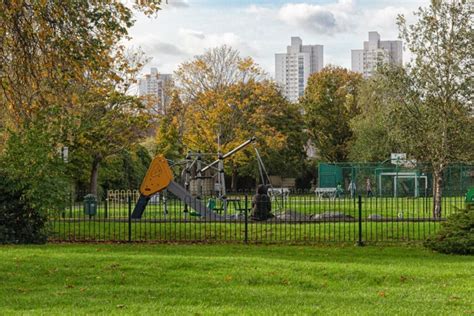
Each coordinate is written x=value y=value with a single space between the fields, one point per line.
x=261 y=204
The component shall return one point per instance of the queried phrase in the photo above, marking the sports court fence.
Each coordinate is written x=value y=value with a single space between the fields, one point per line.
x=298 y=217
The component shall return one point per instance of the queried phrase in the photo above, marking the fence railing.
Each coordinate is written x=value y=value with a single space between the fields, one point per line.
x=297 y=217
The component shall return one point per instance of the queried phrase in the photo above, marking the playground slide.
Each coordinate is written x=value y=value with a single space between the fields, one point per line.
x=158 y=178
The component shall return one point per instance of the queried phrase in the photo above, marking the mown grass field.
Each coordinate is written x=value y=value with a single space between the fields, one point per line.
x=404 y=219
x=304 y=204
x=111 y=230
x=232 y=279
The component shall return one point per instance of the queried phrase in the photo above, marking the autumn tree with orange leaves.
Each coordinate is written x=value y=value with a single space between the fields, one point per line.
x=62 y=74
x=230 y=102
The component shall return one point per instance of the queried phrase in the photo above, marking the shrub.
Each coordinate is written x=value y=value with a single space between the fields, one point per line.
x=19 y=222
x=456 y=235
x=31 y=162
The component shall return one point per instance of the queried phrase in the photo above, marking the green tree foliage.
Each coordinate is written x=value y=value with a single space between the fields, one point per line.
x=330 y=102
x=121 y=171
x=125 y=170
x=19 y=221
x=169 y=141
x=371 y=128
x=34 y=170
x=433 y=113
x=109 y=126
x=32 y=184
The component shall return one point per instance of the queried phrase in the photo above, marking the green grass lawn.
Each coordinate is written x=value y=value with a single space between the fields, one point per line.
x=110 y=223
x=264 y=232
x=232 y=279
x=304 y=204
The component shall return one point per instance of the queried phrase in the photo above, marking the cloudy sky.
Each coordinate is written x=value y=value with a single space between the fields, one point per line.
x=261 y=28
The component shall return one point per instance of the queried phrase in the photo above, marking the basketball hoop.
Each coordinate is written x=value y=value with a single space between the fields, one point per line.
x=398 y=159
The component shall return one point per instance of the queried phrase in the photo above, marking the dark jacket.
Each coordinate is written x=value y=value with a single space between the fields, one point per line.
x=261 y=205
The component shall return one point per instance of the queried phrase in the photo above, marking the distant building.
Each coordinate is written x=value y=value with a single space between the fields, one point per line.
x=154 y=85
x=374 y=53
x=293 y=68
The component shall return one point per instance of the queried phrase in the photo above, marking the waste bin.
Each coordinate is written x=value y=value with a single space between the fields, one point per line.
x=90 y=205
x=470 y=199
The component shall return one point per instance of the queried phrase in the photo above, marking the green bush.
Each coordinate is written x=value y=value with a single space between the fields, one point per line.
x=19 y=222
x=456 y=235
x=30 y=160
x=32 y=183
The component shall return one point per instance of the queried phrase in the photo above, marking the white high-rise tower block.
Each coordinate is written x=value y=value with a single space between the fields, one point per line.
x=293 y=68
x=376 y=52
x=153 y=84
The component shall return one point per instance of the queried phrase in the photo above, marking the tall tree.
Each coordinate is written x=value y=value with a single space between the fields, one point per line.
x=371 y=139
x=111 y=120
x=433 y=117
x=46 y=49
x=108 y=126
x=329 y=102
x=239 y=112
x=54 y=58
x=214 y=70
x=230 y=104
x=169 y=135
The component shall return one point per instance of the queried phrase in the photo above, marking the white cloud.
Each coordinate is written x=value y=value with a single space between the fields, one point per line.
x=384 y=20
x=164 y=48
x=257 y=10
x=178 y=3
x=196 y=42
x=321 y=19
x=264 y=28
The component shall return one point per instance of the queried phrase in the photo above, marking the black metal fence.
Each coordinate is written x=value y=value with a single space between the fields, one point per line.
x=297 y=217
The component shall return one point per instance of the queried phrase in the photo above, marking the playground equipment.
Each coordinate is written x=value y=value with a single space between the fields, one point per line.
x=160 y=177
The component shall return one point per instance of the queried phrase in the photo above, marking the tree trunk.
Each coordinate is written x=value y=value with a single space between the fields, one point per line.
x=233 y=184
x=94 y=175
x=437 y=192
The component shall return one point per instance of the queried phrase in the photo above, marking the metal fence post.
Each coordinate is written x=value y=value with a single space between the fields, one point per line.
x=246 y=238
x=106 y=208
x=360 y=242
x=129 y=218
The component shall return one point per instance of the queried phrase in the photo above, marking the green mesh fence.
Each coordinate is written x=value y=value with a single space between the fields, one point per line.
x=385 y=179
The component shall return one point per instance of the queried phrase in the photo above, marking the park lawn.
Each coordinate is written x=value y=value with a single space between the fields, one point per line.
x=303 y=204
x=232 y=279
x=257 y=232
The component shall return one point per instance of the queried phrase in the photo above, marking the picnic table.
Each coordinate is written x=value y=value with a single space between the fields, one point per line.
x=326 y=193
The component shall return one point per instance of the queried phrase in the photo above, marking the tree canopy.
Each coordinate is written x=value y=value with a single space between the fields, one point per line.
x=226 y=112
x=371 y=127
x=329 y=103
x=433 y=117
x=61 y=68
